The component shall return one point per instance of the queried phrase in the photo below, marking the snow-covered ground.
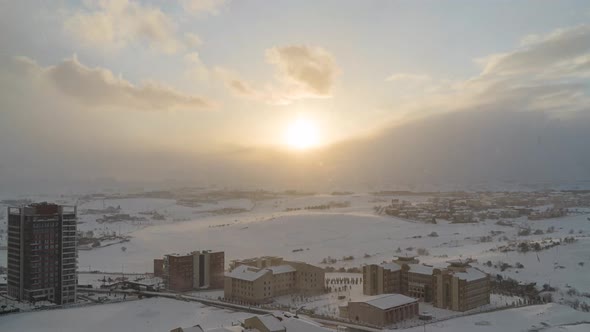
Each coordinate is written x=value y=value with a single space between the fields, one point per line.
x=99 y=279
x=155 y=314
x=159 y=314
x=350 y=231
x=548 y=317
x=283 y=226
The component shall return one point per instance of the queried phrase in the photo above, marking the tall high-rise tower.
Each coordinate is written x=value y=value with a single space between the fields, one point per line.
x=42 y=253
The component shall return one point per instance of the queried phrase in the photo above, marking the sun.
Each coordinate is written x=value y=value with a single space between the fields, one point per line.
x=302 y=134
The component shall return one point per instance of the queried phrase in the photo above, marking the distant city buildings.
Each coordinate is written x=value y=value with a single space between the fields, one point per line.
x=42 y=254
x=258 y=280
x=458 y=287
x=463 y=207
x=196 y=270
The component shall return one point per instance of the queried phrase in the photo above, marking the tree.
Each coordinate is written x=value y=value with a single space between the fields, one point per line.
x=422 y=251
x=524 y=232
x=523 y=247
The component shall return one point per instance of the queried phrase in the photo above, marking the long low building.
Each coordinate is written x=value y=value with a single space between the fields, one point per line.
x=381 y=310
x=251 y=283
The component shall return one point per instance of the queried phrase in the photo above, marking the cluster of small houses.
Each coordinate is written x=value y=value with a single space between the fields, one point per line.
x=473 y=207
x=329 y=205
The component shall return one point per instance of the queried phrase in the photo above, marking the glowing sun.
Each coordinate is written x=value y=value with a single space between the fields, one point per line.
x=302 y=134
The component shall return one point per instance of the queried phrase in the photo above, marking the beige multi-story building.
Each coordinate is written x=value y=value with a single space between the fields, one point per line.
x=259 y=280
x=457 y=287
x=404 y=275
x=460 y=287
x=417 y=281
x=381 y=279
x=381 y=310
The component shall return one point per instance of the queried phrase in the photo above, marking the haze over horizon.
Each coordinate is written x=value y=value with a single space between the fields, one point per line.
x=318 y=95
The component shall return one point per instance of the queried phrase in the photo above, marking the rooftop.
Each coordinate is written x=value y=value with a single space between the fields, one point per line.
x=196 y=328
x=421 y=269
x=281 y=269
x=251 y=273
x=388 y=301
x=391 y=266
x=227 y=329
x=459 y=262
x=178 y=255
x=470 y=274
x=247 y=273
x=406 y=258
x=272 y=323
x=290 y=324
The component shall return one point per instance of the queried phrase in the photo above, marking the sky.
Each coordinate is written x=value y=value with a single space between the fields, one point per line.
x=293 y=92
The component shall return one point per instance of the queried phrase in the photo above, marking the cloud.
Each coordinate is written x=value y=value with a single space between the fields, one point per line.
x=99 y=87
x=192 y=40
x=202 y=6
x=196 y=69
x=113 y=24
x=300 y=71
x=311 y=70
x=408 y=77
x=237 y=85
x=408 y=86
x=541 y=52
x=546 y=73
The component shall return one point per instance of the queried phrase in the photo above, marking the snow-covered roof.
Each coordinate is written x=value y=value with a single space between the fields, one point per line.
x=236 y=328
x=458 y=261
x=470 y=274
x=196 y=328
x=302 y=325
x=247 y=273
x=271 y=323
x=388 y=301
x=391 y=266
x=281 y=269
x=290 y=324
x=419 y=268
x=250 y=273
x=178 y=255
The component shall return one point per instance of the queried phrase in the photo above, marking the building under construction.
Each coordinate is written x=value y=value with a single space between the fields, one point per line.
x=42 y=256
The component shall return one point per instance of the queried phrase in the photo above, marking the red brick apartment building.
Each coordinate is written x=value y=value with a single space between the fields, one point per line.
x=197 y=270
